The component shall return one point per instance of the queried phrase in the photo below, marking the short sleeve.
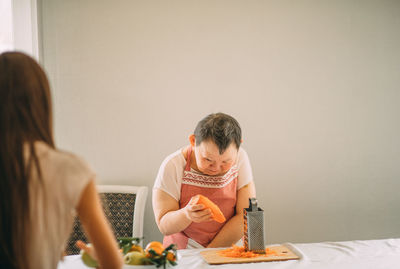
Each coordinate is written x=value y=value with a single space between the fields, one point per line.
x=77 y=174
x=245 y=175
x=169 y=177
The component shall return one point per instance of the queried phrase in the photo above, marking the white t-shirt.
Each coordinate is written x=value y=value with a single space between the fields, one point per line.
x=169 y=177
x=53 y=203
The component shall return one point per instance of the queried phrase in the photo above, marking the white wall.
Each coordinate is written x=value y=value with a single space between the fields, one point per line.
x=314 y=84
x=25 y=26
x=6 y=29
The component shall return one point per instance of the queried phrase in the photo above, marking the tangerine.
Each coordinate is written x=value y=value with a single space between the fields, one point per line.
x=171 y=256
x=136 y=248
x=156 y=246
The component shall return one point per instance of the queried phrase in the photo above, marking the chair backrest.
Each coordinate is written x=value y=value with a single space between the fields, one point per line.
x=124 y=208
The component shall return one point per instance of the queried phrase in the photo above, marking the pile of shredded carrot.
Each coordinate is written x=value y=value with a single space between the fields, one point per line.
x=240 y=252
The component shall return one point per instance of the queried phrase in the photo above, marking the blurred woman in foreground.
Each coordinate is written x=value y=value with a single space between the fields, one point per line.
x=41 y=187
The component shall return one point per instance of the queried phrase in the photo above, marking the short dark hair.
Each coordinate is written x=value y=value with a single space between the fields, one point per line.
x=221 y=128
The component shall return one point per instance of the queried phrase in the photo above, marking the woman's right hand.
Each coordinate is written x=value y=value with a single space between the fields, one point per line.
x=197 y=212
x=98 y=230
x=87 y=248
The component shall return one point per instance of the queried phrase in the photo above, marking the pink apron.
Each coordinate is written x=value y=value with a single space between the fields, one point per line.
x=219 y=189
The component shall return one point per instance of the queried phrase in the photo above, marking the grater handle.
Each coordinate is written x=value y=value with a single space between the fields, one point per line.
x=253 y=204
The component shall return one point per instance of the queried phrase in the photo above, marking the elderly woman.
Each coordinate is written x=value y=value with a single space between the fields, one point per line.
x=215 y=166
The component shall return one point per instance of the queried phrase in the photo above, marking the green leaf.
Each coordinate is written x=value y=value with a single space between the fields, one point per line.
x=170 y=247
x=126 y=248
x=133 y=240
x=126 y=243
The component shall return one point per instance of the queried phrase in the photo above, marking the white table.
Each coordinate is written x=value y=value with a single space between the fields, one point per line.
x=367 y=254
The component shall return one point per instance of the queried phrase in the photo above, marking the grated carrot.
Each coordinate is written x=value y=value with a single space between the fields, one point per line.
x=239 y=252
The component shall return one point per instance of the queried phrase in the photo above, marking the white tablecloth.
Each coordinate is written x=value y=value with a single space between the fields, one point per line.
x=367 y=254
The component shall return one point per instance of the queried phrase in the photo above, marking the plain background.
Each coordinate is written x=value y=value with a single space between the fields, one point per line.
x=314 y=84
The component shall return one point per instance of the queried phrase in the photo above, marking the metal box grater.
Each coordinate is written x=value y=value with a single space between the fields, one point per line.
x=254 y=227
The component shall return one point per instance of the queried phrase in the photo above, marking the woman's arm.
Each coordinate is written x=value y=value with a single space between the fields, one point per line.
x=170 y=219
x=233 y=229
x=97 y=228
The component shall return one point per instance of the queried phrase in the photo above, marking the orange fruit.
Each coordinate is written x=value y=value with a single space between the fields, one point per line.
x=136 y=248
x=156 y=246
x=171 y=256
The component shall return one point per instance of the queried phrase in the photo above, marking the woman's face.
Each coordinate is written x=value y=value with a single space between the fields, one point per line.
x=210 y=162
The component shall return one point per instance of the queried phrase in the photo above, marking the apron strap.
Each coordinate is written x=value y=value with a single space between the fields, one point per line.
x=189 y=154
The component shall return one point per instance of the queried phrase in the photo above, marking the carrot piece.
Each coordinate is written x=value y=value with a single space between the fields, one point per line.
x=269 y=251
x=239 y=252
x=217 y=215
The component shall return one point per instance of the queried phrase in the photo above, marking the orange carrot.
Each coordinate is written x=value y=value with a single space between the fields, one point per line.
x=271 y=252
x=217 y=215
x=240 y=252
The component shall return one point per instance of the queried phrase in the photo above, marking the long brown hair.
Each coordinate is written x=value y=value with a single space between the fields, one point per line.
x=25 y=117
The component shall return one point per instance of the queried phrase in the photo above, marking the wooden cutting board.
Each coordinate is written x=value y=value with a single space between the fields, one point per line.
x=284 y=254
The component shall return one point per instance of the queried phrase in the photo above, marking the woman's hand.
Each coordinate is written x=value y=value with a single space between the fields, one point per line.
x=196 y=212
x=98 y=230
x=87 y=248
x=171 y=218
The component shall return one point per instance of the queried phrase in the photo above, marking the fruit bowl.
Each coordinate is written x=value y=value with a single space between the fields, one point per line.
x=152 y=266
x=153 y=256
x=135 y=257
